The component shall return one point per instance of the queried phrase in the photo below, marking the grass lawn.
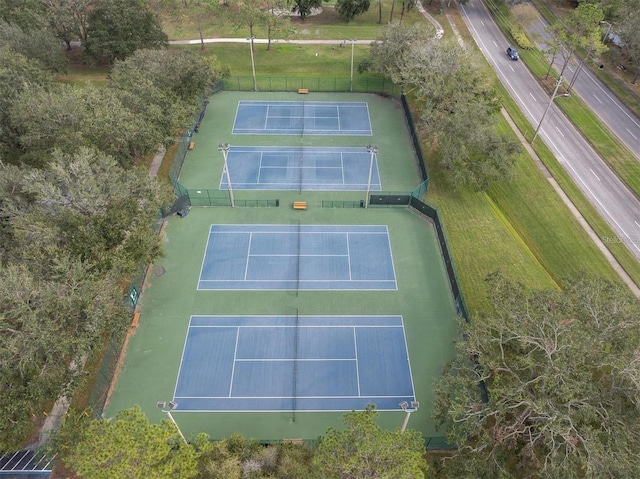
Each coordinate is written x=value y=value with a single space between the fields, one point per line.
x=78 y=73
x=520 y=227
x=288 y=60
x=182 y=25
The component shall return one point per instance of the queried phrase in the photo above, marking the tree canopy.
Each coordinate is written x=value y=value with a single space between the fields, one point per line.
x=457 y=105
x=349 y=9
x=66 y=245
x=304 y=7
x=78 y=216
x=627 y=21
x=130 y=447
x=363 y=449
x=117 y=28
x=563 y=373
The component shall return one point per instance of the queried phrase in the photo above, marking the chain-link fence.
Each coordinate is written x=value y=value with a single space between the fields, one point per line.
x=381 y=86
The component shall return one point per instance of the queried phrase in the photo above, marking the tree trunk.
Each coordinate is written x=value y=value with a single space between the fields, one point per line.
x=393 y=4
x=379 y=12
x=268 y=36
x=553 y=58
x=200 y=31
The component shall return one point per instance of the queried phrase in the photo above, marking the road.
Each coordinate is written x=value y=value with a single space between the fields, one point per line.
x=620 y=119
x=611 y=197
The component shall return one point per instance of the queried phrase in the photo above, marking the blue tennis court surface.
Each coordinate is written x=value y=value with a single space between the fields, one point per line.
x=307 y=168
x=289 y=363
x=302 y=117
x=297 y=257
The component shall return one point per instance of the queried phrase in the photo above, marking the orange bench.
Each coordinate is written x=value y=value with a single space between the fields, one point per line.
x=299 y=205
x=192 y=145
x=303 y=91
x=135 y=320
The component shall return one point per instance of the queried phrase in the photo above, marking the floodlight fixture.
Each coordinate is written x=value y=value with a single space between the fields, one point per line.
x=373 y=150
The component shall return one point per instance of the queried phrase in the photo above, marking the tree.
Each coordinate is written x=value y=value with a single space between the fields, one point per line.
x=67 y=118
x=129 y=447
x=88 y=206
x=469 y=147
x=49 y=319
x=458 y=107
x=17 y=74
x=627 y=22
x=563 y=373
x=277 y=21
x=69 y=19
x=202 y=10
x=304 y=7
x=25 y=14
x=38 y=44
x=117 y=28
x=363 y=449
x=236 y=457
x=395 y=44
x=250 y=13
x=181 y=73
x=581 y=32
x=348 y=9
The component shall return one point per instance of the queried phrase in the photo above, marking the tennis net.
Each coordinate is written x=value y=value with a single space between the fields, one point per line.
x=300 y=178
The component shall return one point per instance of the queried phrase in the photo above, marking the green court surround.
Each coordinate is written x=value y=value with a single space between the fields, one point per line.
x=423 y=298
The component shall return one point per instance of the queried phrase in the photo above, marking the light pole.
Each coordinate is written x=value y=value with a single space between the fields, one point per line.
x=553 y=97
x=372 y=149
x=167 y=407
x=224 y=148
x=351 y=77
x=253 y=64
x=405 y=407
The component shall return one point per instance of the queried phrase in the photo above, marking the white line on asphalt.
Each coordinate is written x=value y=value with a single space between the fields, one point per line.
x=599 y=100
x=631 y=133
x=589 y=190
x=594 y=174
x=534 y=98
x=560 y=131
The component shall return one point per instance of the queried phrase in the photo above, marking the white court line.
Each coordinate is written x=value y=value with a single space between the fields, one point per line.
x=349 y=256
x=246 y=265
x=184 y=349
x=355 y=349
x=233 y=363
x=284 y=360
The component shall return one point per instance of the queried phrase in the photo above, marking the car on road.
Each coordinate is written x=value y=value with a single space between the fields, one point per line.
x=512 y=53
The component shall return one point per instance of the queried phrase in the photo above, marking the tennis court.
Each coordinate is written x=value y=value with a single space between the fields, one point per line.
x=302 y=117
x=297 y=257
x=271 y=321
x=293 y=363
x=301 y=168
